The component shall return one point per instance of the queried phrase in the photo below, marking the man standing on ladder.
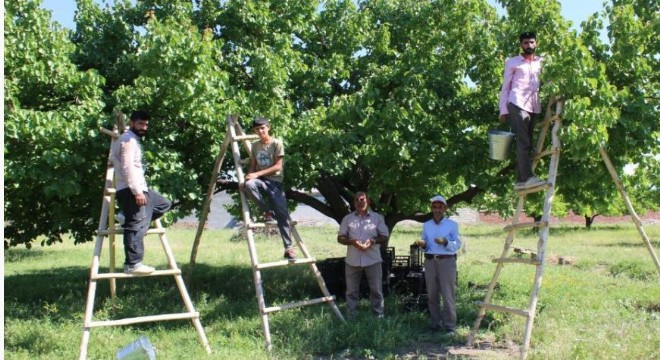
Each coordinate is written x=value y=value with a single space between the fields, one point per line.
x=266 y=174
x=363 y=231
x=139 y=204
x=519 y=102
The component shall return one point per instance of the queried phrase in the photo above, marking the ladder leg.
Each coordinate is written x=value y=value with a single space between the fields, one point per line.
x=316 y=272
x=203 y=216
x=496 y=275
x=98 y=248
x=91 y=294
x=182 y=288
x=543 y=240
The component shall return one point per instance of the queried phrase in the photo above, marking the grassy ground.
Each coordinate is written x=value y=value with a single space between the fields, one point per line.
x=604 y=304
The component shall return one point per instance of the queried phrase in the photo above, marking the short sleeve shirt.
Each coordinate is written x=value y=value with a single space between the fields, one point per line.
x=363 y=228
x=266 y=155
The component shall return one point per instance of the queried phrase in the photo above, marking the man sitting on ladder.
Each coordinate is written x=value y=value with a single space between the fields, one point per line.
x=139 y=204
x=266 y=174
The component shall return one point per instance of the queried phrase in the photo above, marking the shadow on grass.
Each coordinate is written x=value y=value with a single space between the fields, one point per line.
x=223 y=294
x=14 y=255
x=628 y=244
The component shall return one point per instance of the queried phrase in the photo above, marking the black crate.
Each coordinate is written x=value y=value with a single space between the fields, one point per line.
x=416 y=258
x=401 y=261
x=334 y=275
x=416 y=303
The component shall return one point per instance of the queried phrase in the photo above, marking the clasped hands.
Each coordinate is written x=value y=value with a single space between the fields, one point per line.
x=363 y=246
x=438 y=240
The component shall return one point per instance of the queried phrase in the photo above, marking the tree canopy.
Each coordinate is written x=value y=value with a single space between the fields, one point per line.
x=390 y=97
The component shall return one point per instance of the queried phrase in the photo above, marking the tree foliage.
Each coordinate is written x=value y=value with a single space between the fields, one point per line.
x=391 y=97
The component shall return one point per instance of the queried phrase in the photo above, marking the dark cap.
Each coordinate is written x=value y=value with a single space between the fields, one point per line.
x=259 y=121
x=527 y=35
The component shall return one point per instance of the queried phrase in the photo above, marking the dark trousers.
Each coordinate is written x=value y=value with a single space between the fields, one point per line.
x=522 y=123
x=374 y=275
x=277 y=200
x=138 y=219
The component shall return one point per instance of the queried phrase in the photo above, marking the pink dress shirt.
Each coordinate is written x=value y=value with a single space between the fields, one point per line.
x=521 y=84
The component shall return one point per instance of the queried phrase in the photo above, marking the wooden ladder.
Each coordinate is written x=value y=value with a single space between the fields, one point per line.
x=107 y=229
x=234 y=135
x=543 y=226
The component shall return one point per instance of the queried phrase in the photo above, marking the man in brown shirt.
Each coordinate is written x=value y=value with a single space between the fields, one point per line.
x=265 y=176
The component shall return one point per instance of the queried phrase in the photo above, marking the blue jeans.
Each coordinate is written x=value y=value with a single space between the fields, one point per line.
x=277 y=200
x=138 y=219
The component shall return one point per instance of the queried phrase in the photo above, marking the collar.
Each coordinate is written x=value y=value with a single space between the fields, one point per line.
x=358 y=214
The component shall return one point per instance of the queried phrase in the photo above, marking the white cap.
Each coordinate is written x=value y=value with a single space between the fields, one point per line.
x=439 y=198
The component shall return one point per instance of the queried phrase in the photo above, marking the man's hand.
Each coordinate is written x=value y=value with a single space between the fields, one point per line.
x=360 y=246
x=504 y=118
x=420 y=243
x=250 y=176
x=140 y=199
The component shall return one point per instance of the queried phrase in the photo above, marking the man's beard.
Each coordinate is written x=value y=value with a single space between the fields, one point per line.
x=140 y=133
x=529 y=50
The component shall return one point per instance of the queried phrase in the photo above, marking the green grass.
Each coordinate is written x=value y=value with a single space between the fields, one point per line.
x=605 y=305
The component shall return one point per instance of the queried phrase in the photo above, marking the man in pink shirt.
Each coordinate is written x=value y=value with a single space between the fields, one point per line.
x=519 y=102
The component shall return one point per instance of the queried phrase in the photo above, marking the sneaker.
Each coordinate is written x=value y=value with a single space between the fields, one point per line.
x=268 y=218
x=138 y=269
x=289 y=254
x=120 y=218
x=530 y=183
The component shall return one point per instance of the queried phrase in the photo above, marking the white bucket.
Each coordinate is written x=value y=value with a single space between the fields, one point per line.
x=499 y=143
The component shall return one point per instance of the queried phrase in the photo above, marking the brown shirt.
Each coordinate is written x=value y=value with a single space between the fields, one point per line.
x=266 y=155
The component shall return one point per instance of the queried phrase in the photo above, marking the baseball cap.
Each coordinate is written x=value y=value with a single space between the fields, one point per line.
x=438 y=198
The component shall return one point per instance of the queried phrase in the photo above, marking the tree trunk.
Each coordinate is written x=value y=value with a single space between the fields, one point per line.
x=589 y=220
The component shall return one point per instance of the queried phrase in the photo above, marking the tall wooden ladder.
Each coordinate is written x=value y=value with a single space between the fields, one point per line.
x=234 y=135
x=551 y=117
x=107 y=229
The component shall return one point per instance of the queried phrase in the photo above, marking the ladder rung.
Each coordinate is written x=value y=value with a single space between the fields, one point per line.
x=245 y=137
x=142 y=319
x=263 y=225
x=124 y=275
x=284 y=263
x=511 y=310
x=545 y=153
x=538 y=224
x=110 y=191
x=121 y=231
x=534 y=189
x=298 y=304
x=517 y=260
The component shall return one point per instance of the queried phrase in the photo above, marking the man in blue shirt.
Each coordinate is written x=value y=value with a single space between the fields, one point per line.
x=441 y=241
